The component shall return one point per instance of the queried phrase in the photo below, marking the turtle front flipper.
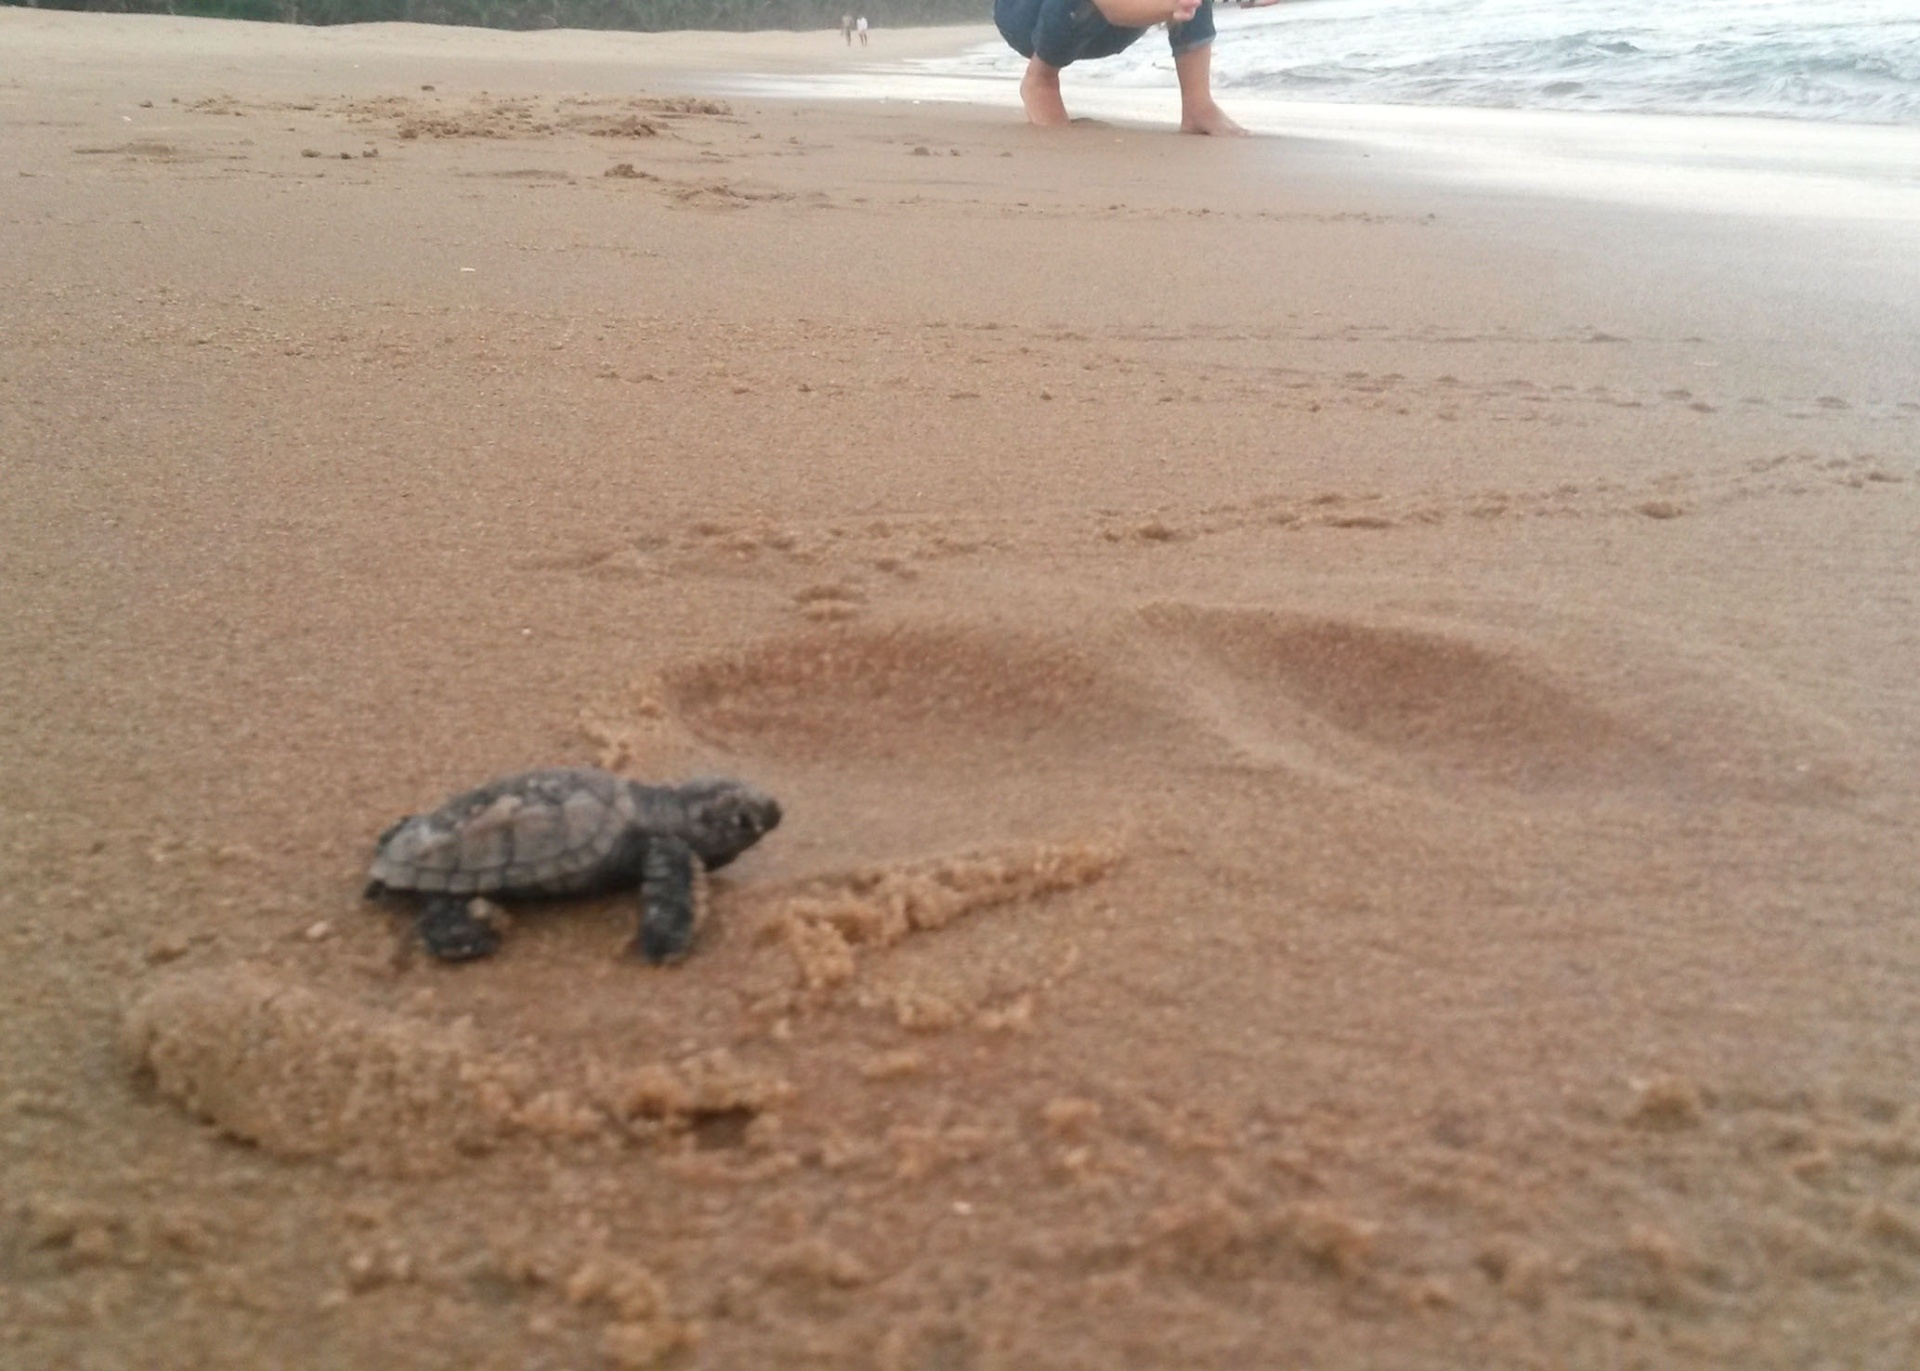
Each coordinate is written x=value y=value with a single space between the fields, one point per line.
x=673 y=892
x=453 y=932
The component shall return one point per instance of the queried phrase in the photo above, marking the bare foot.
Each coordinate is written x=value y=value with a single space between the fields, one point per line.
x=1040 y=93
x=1210 y=118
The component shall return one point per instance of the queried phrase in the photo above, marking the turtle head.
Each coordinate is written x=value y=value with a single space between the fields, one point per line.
x=725 y=818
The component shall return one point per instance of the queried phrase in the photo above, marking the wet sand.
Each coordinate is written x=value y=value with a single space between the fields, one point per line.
x=1349 y=744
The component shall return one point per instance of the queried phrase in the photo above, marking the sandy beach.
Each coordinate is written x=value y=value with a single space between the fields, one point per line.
x=1350 y=742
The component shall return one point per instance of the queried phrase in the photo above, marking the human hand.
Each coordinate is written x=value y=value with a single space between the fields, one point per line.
x=1184 y=10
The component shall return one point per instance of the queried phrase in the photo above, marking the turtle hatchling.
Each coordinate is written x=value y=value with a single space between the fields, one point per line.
x=569 y=831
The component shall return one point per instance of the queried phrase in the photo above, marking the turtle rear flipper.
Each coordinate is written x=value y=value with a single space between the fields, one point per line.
x=673 y=888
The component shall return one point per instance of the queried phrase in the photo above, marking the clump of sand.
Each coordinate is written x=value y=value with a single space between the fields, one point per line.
x=822 y=922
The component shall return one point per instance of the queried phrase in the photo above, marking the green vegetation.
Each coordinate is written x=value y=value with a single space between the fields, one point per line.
x=643 y=15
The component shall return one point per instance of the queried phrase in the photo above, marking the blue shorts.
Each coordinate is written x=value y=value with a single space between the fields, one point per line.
x=1060 y=32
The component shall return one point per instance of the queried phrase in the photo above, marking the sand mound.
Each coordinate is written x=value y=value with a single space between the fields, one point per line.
x=301 y=1073
x=905 y=692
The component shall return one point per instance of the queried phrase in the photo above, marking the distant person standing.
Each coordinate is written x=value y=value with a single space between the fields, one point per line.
x=846 y=28
x=860 y=25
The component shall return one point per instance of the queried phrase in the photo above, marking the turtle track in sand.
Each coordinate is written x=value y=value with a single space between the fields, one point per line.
x=304 y=1072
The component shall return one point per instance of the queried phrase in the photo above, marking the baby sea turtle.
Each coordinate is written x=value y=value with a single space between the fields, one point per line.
x=569 y=831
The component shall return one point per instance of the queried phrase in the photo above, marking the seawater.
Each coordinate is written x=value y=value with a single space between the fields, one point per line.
x=1853 y=61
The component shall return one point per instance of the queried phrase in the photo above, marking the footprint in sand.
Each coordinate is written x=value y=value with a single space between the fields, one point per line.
x=911 y=692
x=1319 y=692
x=1346 y=699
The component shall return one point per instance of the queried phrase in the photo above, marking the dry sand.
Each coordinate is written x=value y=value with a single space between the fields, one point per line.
x=1350 y=747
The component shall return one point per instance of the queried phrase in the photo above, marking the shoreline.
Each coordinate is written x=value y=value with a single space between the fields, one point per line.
x=1723 y=164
